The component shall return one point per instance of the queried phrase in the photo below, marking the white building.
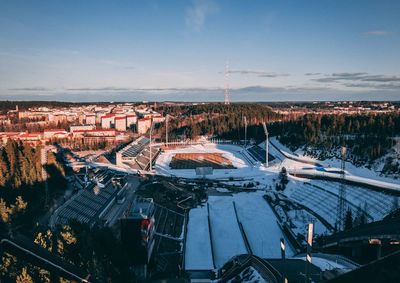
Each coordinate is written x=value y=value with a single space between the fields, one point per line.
x=131 y=119
x=143 y=125
x=107 y=121
x=84 y=127
x=120 y=124
x=90 y=119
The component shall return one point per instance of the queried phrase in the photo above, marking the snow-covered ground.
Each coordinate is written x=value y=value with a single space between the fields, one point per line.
x=326 y=264
x=259 y=224
x=351 y=169
x=226 y=236
x=198 y=254
x=298 y=164
x=257 y=218
x=249 y=275
x=243 y=168
x=322 y=197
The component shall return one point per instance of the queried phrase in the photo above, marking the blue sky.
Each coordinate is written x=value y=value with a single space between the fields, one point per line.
x=177 y=50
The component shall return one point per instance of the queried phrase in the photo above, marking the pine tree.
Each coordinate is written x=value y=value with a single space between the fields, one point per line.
x=24 y=277
x=348 y=223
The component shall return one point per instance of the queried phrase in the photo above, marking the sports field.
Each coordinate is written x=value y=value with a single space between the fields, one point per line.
x=194 y=160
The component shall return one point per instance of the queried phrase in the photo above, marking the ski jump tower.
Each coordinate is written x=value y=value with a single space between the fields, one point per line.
x=226 y=87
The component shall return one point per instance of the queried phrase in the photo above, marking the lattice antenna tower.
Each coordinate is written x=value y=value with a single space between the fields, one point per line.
x=226 y=87
x=341 y=210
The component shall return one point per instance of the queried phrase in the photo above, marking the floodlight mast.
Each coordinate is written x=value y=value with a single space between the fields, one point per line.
x=266 y=143
x=151 y=133
x=166 y=130
x=245 y=130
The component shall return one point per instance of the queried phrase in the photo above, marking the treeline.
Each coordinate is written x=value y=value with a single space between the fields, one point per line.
x=23 y=125
x=225 y=121
x=22 y=190
x=367 y=136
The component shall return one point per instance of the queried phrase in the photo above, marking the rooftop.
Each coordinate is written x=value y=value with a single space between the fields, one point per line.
x=142 y=209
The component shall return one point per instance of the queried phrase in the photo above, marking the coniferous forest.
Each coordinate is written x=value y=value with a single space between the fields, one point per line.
x=22 y=190
x=368 y=137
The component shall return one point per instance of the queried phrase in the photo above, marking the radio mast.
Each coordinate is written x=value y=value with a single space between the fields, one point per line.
x=226 y=88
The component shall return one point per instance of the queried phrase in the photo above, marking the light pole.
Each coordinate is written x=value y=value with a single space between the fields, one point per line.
x=151 y=157
x=309 y=250
x=245 y=131
x=266 y=144
x=166 y=130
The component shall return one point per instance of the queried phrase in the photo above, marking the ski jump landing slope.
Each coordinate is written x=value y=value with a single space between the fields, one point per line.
x=259 y=226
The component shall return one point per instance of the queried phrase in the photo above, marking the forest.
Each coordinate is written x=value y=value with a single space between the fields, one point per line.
x=368 y=137
x=24 y=202
x=216 y=119
x=23 y=197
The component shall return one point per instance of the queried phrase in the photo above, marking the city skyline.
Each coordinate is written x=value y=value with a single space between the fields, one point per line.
x=153 y=50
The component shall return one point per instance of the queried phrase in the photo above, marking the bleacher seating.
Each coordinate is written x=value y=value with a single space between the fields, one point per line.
x=88 y=203
x=133 y=149
x=259 y=154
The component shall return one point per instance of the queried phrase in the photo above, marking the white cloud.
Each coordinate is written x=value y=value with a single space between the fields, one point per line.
x=377 y=33
x=198 y=12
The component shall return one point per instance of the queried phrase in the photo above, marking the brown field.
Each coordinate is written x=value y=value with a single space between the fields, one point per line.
x=194 y=160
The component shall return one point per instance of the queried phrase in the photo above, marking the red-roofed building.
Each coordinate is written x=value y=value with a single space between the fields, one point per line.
x=131 y=119
x=90 y=119
x=143 y=125
x=120 y=124
x=107 y=121
x=32 y=138
x=55 y=133
x=95 y=133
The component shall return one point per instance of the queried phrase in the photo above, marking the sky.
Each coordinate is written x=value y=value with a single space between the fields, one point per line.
x=179 y=50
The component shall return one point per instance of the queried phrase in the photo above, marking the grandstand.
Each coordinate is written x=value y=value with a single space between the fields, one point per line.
x=89 y=203
x=258 y=154
x=136 y=155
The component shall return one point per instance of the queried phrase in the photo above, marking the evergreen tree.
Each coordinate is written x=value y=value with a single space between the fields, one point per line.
x=348 y=222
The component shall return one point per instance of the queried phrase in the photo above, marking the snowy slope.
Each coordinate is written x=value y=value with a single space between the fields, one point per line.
x=198 y=255
x=226 y=236
x=259 y=223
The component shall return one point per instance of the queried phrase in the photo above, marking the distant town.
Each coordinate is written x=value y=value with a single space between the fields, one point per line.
x=118 y=122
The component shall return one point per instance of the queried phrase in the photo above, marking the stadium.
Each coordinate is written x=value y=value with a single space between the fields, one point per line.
x=226 y=160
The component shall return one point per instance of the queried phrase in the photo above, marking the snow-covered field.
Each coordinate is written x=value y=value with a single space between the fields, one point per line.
x=198 y=254
x=226 y=236
x=253 y=212
x=243 y=168
x=259 y=224
x=330 y=165
x=322 y=197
